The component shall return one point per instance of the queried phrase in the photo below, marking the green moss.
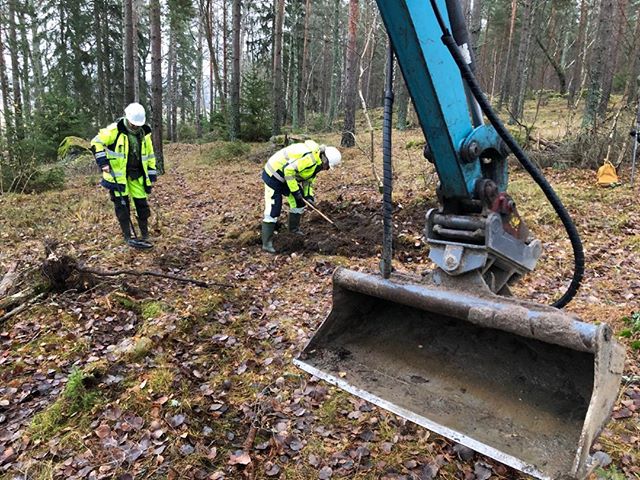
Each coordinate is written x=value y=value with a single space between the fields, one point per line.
x=76 y=400
x=151 y=309
x=160 y=380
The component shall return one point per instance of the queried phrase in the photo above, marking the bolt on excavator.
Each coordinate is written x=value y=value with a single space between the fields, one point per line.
x=452 y=350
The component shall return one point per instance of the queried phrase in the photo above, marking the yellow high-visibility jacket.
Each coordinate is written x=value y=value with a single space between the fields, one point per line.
x=299 y=163
x=111 y=147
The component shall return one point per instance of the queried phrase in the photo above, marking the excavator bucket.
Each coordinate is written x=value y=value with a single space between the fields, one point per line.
x=525 y=384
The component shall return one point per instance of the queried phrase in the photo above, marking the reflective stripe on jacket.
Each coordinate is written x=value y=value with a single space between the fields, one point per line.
x=111 y=147
x=299 y=162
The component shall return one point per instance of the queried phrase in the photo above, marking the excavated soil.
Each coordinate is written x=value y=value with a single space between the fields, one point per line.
x=359 y=232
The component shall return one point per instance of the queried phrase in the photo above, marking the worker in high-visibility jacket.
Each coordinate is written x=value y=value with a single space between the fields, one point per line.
x=124 y=153
x=291 y=172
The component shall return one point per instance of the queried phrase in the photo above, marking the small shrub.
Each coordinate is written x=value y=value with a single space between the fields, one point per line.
x=224 y=151
x=45 y=179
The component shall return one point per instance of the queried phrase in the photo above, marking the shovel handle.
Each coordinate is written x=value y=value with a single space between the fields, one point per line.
x=310 y=205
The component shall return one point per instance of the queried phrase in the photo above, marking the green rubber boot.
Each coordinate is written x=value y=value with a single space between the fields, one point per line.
x=267 y=237
x=294 y=223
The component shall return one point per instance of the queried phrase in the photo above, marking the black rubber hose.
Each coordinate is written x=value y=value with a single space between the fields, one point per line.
x=387 y=179
x=538 y=177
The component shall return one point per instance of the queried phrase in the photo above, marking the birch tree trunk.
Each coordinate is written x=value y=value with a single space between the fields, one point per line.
x=350 y=94
x=156 y=83
x=278 y=94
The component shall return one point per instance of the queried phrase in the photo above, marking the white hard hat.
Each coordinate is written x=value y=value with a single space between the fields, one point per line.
x=333 y=156
x=135 y=114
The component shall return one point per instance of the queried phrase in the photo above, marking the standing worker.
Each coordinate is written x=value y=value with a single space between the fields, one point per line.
x=292 y=172
x=124 y=153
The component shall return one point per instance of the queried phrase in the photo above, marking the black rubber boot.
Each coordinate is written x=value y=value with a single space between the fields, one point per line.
x=122 y=214
x=294 y=223
x=144 y=212
x=267 y=237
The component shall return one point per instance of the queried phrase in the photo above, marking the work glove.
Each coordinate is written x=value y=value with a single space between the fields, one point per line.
x=310 y=199
x=297 y=195
x=148 y=188
x=153 y=177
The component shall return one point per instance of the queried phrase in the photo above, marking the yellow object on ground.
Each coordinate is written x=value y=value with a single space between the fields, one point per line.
x=607 y=175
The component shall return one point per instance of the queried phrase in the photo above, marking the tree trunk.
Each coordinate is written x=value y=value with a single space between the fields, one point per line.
x=505 y=90
x=101 y=80
x=296 y=40
x=36 y=60
x=26 y=84
x=174 y=98
x=15 y=72
x=6 y=100
x=576 y=80
x=517 y=101
x=597 y=64
x=225 y=50
x=135 y=14
x=129 y=72
x=305 y=64
x=611 y=59
x=170 y=80
x=402 y=101
x=199 y=82
x=335 y=68
x=234 y=124
x=350 y=93
x=557 y=67
x=630 y=87
x=475 y=27
x=278 y=94
x=206 y=11
x=156 y=82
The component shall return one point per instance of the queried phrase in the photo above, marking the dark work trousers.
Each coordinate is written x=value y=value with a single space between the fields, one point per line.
x=123 y=214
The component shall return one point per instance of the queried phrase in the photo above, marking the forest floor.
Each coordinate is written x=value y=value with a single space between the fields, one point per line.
x=142 y=377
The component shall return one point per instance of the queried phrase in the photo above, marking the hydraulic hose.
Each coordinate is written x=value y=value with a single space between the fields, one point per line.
x=538 y=177
x=387 y=179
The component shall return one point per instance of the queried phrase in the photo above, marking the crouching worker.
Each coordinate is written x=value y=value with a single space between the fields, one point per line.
x=124 y=153
x=292 y=172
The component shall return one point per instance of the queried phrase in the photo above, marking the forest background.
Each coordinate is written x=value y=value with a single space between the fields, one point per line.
x=229 y=70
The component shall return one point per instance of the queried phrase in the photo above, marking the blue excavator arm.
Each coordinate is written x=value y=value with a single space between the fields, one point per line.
x=441 y=102
x=477 y=226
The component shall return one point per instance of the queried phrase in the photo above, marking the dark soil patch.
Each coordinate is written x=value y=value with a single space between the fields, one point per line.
x=360 y=233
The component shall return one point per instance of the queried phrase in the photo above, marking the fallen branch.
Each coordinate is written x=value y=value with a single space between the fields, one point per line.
x=114 y=273
x=21 y=308
x=251 y=438
x=17 y=298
